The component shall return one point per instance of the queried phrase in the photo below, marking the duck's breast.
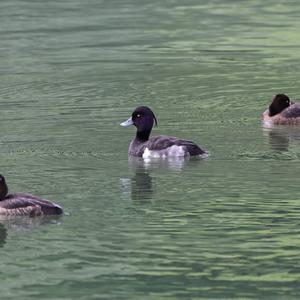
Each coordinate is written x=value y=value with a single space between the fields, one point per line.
x=267 y=121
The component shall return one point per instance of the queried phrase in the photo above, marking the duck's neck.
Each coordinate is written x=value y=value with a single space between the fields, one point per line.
x=143 y=136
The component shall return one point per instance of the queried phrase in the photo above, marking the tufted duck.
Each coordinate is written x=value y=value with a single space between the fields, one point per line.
x=23 y=204
x=158 y=146
x=282 y=112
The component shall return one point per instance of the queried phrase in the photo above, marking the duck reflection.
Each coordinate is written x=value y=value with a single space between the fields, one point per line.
x=141 y=187
x=24 y=223
x=3 y=235
x=281 y=137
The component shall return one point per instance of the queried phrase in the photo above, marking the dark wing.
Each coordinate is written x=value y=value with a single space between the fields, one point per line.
x=23 y=201
x=292 y=111
x=162 y=142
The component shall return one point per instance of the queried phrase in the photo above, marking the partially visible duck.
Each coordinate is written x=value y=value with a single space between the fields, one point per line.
x=23 y=204
x=160 y=146
x=282 y=112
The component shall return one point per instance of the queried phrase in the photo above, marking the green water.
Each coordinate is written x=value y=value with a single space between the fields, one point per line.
x=227 y=227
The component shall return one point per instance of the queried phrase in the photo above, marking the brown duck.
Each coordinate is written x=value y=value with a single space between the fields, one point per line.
x=23 y=204
x=282 y=111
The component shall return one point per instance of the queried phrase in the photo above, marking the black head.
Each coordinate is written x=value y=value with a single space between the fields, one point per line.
x=279 y=103
x=3 y=188
x=143 y=118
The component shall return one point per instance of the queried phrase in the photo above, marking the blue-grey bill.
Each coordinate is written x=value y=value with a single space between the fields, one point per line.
x=127 y=122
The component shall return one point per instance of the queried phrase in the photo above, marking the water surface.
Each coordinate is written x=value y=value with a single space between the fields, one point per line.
x=222 y=228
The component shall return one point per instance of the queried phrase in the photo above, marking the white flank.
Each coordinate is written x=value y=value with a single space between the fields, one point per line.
x=173 y=151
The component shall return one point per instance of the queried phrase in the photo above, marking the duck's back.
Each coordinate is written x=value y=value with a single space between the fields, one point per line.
x=27 y=204
x=292 y=111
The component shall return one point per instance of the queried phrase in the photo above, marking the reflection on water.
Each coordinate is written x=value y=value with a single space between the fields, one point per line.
x=21 y=224
x=140 y=187
x=26 y=223
x=226 y=227
x=3 y=235
x=281 y=137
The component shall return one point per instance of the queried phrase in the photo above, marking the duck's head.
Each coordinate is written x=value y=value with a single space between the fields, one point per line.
x=142 y=118
x=3 y=187
x=279 y=103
